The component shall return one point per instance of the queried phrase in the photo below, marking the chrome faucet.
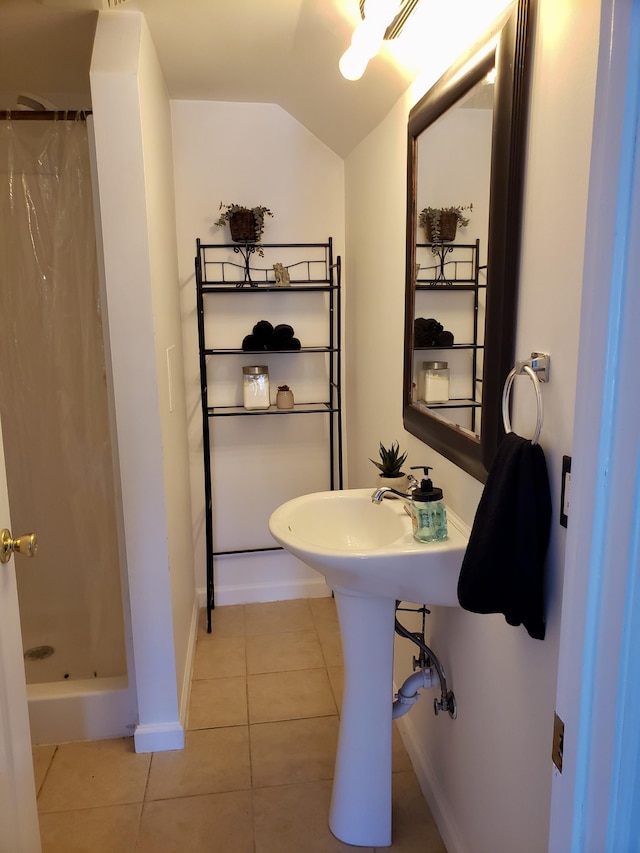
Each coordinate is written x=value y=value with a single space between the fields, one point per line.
x=377 y=496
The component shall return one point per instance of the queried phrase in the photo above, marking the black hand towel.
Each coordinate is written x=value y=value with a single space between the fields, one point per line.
x=503 y=567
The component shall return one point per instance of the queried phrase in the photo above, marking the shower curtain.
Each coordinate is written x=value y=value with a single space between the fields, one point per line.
x=53 y=403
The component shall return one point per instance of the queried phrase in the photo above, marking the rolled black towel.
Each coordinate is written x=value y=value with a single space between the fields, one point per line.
x=426 y=331
x=263 y=329
x=283 y=330
x=444 y=339
x=291 y=344
x=281 y=339
x=252 y=343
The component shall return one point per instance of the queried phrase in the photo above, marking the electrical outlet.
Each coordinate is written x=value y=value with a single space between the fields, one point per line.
x=566 y=488
x=557 y=748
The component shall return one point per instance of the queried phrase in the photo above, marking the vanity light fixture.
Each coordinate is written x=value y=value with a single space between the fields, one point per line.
x=381 y=19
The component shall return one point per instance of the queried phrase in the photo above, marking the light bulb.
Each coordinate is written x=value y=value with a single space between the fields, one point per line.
x=353 y=64
x=367 y=37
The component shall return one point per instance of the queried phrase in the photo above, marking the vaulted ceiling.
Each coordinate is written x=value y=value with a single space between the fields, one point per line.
x=277 y=51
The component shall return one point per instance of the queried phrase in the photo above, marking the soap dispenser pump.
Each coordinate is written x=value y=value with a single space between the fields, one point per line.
x=428 y=512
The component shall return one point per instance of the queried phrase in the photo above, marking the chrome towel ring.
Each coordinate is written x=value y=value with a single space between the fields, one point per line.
x=537 y=368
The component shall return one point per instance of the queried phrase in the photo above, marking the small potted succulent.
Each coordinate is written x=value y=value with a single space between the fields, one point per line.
x=390 y=467
x=441 y=223
x=246 y=223
x=284 y=397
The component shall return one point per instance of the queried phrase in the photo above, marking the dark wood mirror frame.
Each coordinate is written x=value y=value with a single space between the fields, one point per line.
x=506 y=49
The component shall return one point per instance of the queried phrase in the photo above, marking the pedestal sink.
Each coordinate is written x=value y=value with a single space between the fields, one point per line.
x=369 y=559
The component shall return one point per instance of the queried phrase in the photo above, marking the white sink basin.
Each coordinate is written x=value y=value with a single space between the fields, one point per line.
x=370 y=559
x=369 y=548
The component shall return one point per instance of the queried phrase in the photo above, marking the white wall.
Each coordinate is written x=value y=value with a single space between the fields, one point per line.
x=489 y=772
x=134 y=165
x=253 y=154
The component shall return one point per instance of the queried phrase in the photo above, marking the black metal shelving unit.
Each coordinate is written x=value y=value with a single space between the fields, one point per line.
x=456 y=268
x=312 y=270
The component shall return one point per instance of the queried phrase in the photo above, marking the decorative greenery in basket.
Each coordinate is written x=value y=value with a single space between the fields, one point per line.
x=246 y=224
x=440 y=223
x=391 y=461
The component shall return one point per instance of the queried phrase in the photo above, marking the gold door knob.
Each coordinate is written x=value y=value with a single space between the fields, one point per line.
x=26 y=545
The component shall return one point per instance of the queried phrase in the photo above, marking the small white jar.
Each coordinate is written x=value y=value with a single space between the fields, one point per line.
x=255 y=387
x=436 y=381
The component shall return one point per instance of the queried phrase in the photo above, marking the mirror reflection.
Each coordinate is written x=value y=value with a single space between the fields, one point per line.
x=453 y=171
x=465 y=173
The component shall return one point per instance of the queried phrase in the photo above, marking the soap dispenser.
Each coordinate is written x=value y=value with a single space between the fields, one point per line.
x=428 y=512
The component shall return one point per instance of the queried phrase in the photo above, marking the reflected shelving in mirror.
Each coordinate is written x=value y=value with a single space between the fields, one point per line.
x=448 y=286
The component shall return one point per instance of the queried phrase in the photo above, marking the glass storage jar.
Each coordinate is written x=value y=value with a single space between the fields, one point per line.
x=255 y=386
x=436 y=381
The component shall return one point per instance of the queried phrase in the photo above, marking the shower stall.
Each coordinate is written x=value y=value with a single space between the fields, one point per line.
x=54 y=404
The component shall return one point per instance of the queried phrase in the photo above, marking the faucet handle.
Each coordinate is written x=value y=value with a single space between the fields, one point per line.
x=413 y=483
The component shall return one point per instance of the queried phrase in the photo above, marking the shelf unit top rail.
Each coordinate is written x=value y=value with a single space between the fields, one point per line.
x=225 y=271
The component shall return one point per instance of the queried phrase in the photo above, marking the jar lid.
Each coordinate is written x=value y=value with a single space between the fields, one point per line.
x=435 y=365
x=254 y=369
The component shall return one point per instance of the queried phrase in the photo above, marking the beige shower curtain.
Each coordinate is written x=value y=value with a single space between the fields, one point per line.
x=53 y=401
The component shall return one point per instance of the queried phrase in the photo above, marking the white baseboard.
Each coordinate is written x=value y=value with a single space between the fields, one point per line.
x=274 y=591
x=159 y=737
x=431 y=788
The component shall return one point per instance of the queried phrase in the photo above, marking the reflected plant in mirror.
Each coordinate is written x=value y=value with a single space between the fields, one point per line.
x=440 y=224
x=466 y=141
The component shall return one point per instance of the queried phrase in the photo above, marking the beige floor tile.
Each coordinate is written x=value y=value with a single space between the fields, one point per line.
x=290 y=696
x=283 y=652
x=42 y=756
x=213 y=760
x=110 y=829
x=226 y=621
x=325 y=613
x=331 y=645
x=294 y=819
x=221 y=657
x=276 y=617
x=293 y=751
x=336 y=677
x=94 y=773
x=217 y=702
x=413 y=828
x=216 y=823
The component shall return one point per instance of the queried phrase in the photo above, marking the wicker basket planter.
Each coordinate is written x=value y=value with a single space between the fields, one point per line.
x=246 y=224
x=440 y=224
x=448 y=226
x=243 y=226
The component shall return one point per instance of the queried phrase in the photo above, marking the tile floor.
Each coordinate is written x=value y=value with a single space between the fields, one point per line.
x=255 y=774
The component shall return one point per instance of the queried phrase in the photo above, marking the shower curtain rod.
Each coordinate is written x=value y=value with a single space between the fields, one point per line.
x=43 y=115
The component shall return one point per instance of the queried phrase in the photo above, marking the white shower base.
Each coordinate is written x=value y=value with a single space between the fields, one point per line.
x=82 y=709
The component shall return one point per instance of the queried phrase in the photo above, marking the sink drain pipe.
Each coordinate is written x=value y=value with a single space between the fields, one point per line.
x=447 y=701
x=407 y=696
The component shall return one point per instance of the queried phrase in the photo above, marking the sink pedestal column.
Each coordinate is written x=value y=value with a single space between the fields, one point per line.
x=361 y=799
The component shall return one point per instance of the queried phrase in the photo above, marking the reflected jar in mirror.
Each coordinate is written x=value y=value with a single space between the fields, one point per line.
x=435 y=381
x=255 y=387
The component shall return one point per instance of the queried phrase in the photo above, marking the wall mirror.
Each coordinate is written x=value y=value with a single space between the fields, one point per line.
x=464 y=208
